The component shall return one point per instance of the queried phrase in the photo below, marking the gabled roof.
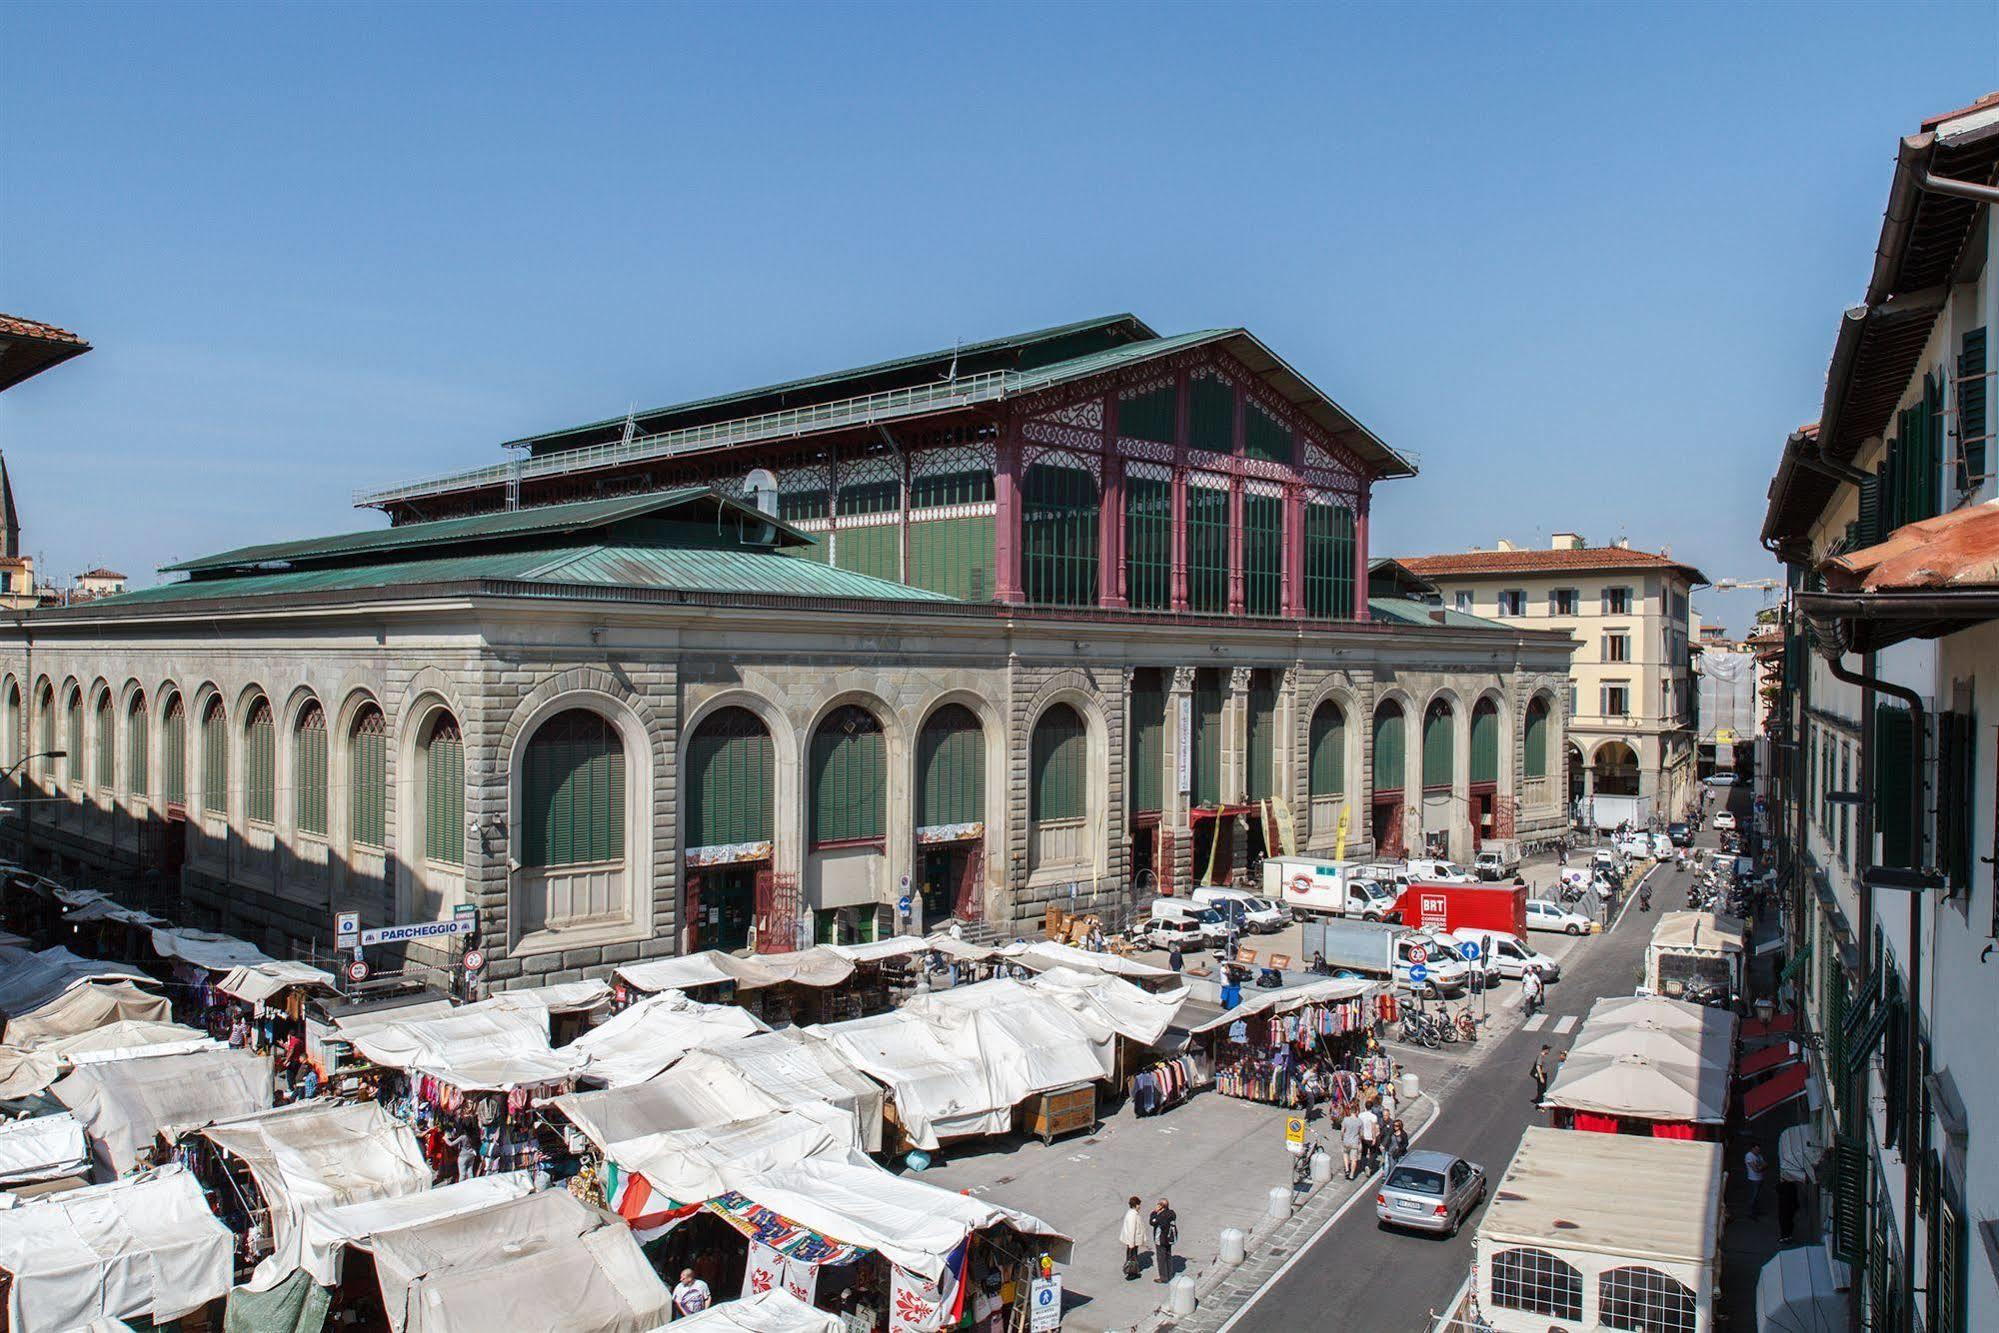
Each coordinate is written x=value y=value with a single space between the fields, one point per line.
x=1588 y=558
x=100 y=573
x=28 y=347
x=1410 y=612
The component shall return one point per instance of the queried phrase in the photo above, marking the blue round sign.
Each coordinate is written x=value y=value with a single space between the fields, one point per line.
x=1470 y=950
x=1418 y=972
x=902 y=904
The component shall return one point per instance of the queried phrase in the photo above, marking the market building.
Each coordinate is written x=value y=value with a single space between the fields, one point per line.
x=1067 y=617
x=1882 y=805
x=1630 y=693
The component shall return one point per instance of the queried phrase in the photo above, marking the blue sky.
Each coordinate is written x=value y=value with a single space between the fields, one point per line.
x=1586 y=261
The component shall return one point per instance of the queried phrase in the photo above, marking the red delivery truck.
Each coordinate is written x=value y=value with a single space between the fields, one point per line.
x=1500 y=907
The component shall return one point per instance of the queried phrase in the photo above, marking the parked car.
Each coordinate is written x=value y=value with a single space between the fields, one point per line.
x=1430 y=1191
x=1242 y=909
x=1681 y=835
x=1662 y=846
x=1724 y=821
x=1544 y=915
x=1721 y=780
x=1440 y=872
x=1208 y=923
x=1163 y=932
x=1510 y=956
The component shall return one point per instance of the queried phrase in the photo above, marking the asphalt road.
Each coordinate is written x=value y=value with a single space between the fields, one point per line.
x=1366 y=1277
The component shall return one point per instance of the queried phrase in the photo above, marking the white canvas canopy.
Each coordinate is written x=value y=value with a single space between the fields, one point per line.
x=1040 y=955
x=146 y=1247
x=636 y=1044
x=817 y=966
x=1108 y=1002
x=258 y=982
x=85 y=1008
x=1665 y=1206
x=1290 y=1000
x=105 y=909
x=773 y=1311
x=540 y=1262
x=1660 y=1029
x=1654 y=1010
x=794 y=1068
x=125 y=1104
x=325 y=1235
x=480 y=1047
x=318 y=1156
x=673 y=1101
x=905 y=946
x=1802 y=1290
x=207 y=949
x=709 y=968
x=1700 y=931
x=940 y=1087
x=43 y=1147
x=564 y=997
x=694 y=1165
x=24 y=1073
x=40 y=978
x=1652 y=1059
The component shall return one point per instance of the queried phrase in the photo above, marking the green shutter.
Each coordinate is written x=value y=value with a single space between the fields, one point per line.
x=309 y=764
x=1265 y=437
x=1957 y=744
x=874 y=551
x=1059 y=767
x=1058 y=535
x=953 y=556
x=1210 y=415
x=1149 y=416
x=1390 y=739
x=73 y=743
x=1207 y=748
x=1262 y=554
x=1895 y=758
x=1439 y=753
x=1485 y=744
x=368 y=780
x=173 y=754
x=951 y=769
x=444 y=796
x=136 y=750
x=573 y=792
x=215 y=760
x=848 y=773
x=1259 y=782
x=731 y=775
x=1327 y=769
x=107 y=751
x=1207 y=549
x=1148 y=529
x=1329 y=561
x=1536 y=740
x=1869 y=531
x=1971 y=397
x=1146 y=775
x=1849 y=1199
x=260 y=762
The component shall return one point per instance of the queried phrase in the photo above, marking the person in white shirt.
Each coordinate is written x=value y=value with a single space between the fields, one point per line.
x=691 y=1296
x=1370 y=1136
x=1131 y=1234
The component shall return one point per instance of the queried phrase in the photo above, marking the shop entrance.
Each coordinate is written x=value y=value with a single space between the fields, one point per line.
x=1145 y=858
x=1386 y=825
x=721 y=903
x=1214 y=848
x=1484 y=813
x=948 y=878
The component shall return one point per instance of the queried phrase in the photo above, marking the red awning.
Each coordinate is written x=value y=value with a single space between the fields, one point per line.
x=1774 y=1091
x=1955 y=550
x=1770 y=1057
x=1754 y=1028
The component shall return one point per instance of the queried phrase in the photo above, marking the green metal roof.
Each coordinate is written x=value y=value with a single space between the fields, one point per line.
x=542 y=521
x=1410 y=612
x=745 y=572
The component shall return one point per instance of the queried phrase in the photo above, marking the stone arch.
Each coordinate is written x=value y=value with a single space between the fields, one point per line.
x=739 y=857
x=955 y=869
x=429 y=882
x=1615 y=769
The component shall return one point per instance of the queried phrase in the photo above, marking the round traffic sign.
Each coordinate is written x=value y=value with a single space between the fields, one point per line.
x=1470 y=950
x=1419 y=973
x=357 y=971
x=474 y=960
x=903 y=904
x=1418 y=954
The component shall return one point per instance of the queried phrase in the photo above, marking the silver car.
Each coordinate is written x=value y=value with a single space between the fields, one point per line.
x=1430 y=1191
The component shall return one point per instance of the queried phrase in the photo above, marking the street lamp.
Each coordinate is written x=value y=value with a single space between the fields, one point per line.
x=27 y=814
x=15 y=767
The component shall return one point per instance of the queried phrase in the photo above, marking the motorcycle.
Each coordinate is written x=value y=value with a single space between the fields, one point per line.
x=1645 y=898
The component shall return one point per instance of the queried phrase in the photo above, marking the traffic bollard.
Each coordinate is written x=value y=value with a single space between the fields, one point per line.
x=1280 y=1201
x=1180 y=1295
x=1232 y=1246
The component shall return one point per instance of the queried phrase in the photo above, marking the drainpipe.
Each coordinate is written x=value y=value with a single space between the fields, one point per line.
x=1912 y=1037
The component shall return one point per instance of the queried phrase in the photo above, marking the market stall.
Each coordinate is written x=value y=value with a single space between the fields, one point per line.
x=1653 y=1066
x=1041 y=955
x=889 y=971
x=772 y=1311
x=326 y=1235
x=142 y=1248
x=1297 y=1046
x=814 y=985
x=1697 y=956
x=1557 y=1248
x=26 y=1072
x=793 y=1068
x=126 y=1106
x=573 y=1007
x=42 y=1148
x=641 y=1040
x=37 y=995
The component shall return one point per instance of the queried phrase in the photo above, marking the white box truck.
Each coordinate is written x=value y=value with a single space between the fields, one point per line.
x=1311 y=887
x=1376 y=949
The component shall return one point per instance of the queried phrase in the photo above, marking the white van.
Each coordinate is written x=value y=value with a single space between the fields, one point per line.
x=1662 y=847
x=1511 y=955
x=1181 y=912
x=1258 y=914
x=1310 y=887
x=1440 y=872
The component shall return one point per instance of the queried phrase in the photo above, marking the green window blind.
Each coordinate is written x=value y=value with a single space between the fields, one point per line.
x=1327 y=768
x=1260 y=780
x=875 y=551
x=1868 y=529
x=1262 y=554
x=937 y=489
x=1439 y=756
x=107 y=739
x=804 y=505
x=1895 y=758
x=573 y=790
x=731 y=775
x=1971 y=400
x=1059 y=760
x=136 y=749
x=215 y=760
x=309 y=779
x=953 y=556
x=870 y=497
x=368 y=779
x=1957 y=747
x=173 y=753
x=1148 y=540
x=1210 y=415
x=1849 y=1199
x=1146 y=778
x=73 y=740
x=1485 y=743
x=1150 y=416
x=951 y=768
x=1536 y=740
x=1264 y=436
x=260 y=764
x=1390 y=741
x=1207 y=748
x=16 y=742
x=444 y=794
x=1208 y=549
x=849 y=774
x=1058 y=535
x=1329 y=561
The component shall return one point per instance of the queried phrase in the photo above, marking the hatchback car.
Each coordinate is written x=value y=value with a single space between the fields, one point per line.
x=1544 y=915
x=1723 y=820
x=1430 y=1191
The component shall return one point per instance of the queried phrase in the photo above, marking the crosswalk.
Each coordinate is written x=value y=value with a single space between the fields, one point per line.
x=1540 y=1020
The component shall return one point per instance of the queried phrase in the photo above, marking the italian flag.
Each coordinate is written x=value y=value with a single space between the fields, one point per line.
x=647 y=1212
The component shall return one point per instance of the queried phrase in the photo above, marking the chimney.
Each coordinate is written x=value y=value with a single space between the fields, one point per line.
x=1505 y=545
x=1567 y=541
x=1622 y=543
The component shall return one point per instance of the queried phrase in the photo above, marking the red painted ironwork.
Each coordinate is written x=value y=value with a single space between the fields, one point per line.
x=778 y=905
x=971 y=900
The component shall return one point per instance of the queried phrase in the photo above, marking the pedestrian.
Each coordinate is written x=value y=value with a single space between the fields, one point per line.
x=1350 y=1141
x=1370 y=1138
x=1530 y=989
x=1174 y=959
x=1165 y=1235
x=1131 y=1233
x=1540 y=1075
x=456 y=1139
x=691 y=1296
x=1398 y=1144
x=1753 y=1164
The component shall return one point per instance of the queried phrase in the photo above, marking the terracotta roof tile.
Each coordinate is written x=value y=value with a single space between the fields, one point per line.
x=1539 y=561
x=1955 y=550
x=13 y=326
x=100 y=573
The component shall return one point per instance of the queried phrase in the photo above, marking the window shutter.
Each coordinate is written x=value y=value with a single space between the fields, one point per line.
x=1956 y=745
x=368 y=780
x=136 y=750
x=173 y=754
x=1894 y=775
x=848 y=770
x=1146 y=775
x=1849 y=1199
x=1971 y=394
x=1207 y=749
x=1328 y=751
x=1059 y=766
x=1536 y=757
x=1485 y=744
x=951 y=762
x=309 y=765
x=444 y=790
x=1389 y=742
x=1261 y=761
x=1870 y=510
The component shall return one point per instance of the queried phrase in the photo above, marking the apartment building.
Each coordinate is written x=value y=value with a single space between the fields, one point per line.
x=1631 y=698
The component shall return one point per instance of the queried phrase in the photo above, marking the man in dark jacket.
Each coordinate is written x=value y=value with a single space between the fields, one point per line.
x=1165 y=1234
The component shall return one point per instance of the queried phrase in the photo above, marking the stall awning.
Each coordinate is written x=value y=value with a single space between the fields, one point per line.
x=207 y=949
x=905 y=946
x=325 y=1235
x=24 y=1073
x=1770 y=1057
x=644 y=1039
x=41 y=978
x=86 y=1008
x=123 y=1105
x=773 y=1311
x=484 y=1047
x=564 y=997
x=1044 y=954
x=257 y=982
x=1289 y=1000
x=794 y=1068
x=1774 y=1091
x=818 y=966
x=42 y=1148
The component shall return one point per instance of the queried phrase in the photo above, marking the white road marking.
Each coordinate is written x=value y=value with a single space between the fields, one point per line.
x=1565 y=1022
x=1534 y=1024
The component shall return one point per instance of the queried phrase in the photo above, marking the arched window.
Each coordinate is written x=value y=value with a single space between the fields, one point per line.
x=1059 y=508
x=573 y=792
x=1535 y=758
x=444 y=792
x=1260 y=776
x=45 y=744
x=1389 y=743
x=1439 y=751
x=13 y=738
x=1327 y=775
x=368 y=778
x=1645 y=1300
x=73 y=741
x=309 y=770
x=137 y=751
x=951 y=769
x=260 y=765
x=1616 y=769
x=1537 y=1282
x=215 y=760
x=849 y=774
x=107 y=746
x=731 y=780
x=1485 y=741
x=173 y=753
x=1059 y=767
